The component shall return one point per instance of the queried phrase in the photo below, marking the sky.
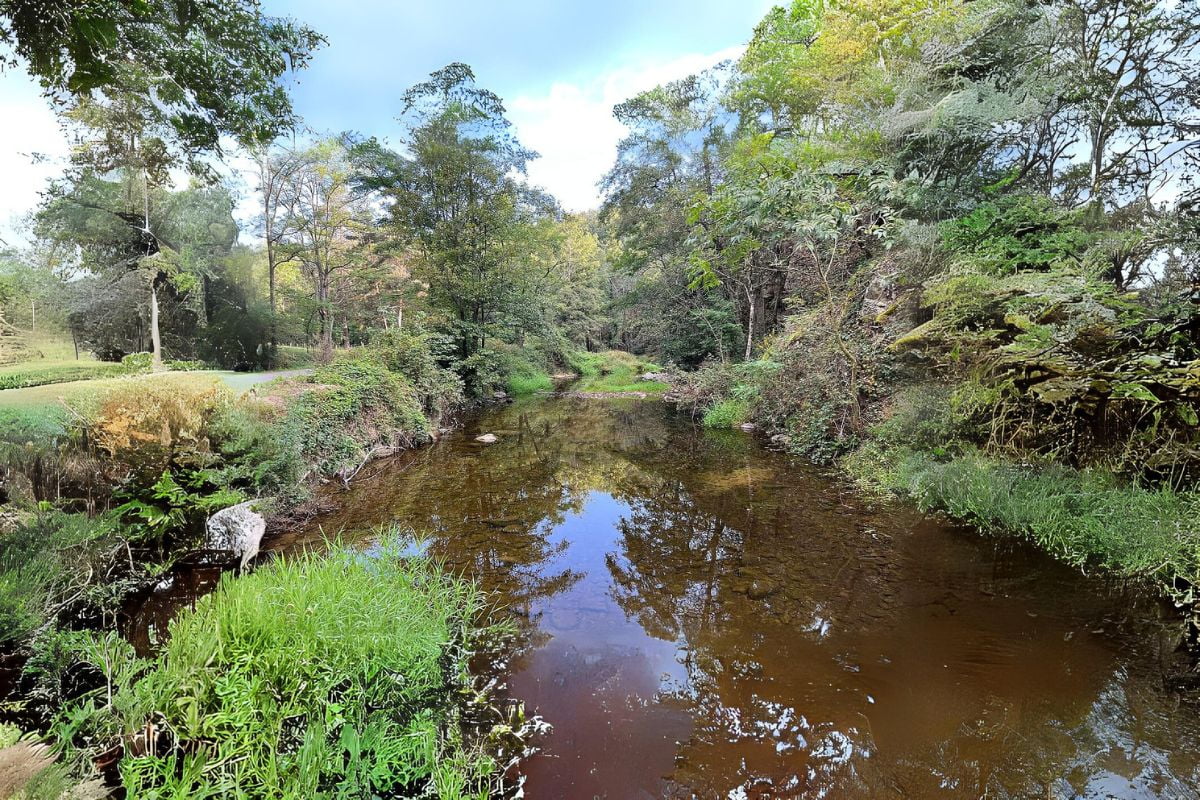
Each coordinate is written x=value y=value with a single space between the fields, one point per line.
x=559 y=65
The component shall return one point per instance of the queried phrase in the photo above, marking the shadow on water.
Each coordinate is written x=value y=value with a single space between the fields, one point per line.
x=701 y=617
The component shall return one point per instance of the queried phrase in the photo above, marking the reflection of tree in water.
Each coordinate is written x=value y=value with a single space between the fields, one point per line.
x=790 y=600
x=672 y=556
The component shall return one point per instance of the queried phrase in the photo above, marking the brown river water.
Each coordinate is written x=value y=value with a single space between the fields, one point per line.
x=701 y=617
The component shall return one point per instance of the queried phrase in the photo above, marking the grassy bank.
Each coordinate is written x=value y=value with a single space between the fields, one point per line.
x=1087 y=518
x=106 y=486
x=920 y=443
x=333 y=675
x=614 y=371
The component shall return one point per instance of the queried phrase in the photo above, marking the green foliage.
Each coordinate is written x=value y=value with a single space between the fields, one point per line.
x=315 y=676
x=412 y=353
x=215 y=69
x=168 y=507
x=57 y=565
x=1083 y=517
x=726 y=414
x=21 y=376
x=1018 y=233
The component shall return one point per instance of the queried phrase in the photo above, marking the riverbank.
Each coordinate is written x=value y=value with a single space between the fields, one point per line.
x=917 y=444
x=106 y=489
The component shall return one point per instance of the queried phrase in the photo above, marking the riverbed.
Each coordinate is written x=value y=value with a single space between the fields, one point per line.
x=698 y=616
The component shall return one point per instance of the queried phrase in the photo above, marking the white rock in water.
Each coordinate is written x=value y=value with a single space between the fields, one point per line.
x=748 y=427
x=487 y=438
x=237 y=529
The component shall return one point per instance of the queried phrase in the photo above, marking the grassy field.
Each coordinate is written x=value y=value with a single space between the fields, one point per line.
x=53 y=394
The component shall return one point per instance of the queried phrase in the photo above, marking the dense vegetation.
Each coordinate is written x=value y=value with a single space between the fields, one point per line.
x=951 y=246
x=948 y=246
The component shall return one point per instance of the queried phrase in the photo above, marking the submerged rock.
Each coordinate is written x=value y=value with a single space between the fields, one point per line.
x=487 y=438
x=238 y=530
x=748 y=427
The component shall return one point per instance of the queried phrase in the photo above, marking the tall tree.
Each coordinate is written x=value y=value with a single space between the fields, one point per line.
x=458 y=198
x=328 y=227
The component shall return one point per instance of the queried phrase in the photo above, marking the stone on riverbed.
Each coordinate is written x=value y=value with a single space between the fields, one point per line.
x=238 y=529
x=487 y=438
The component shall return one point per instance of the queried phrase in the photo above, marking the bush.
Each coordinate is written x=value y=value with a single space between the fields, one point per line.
x=137 y=363
x=147 y=426
x=410 y=353
x=311 y=677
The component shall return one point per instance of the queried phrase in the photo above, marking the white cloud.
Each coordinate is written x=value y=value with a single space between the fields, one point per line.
x=27 y=127
x=573 y=128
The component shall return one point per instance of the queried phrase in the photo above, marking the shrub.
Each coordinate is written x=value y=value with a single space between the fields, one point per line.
x=136 y=363
x=148 y=426
x=410 y=353
x=311 y=677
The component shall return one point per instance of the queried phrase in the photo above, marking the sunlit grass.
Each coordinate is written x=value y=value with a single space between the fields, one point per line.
x=615 y=372
x=315 y=671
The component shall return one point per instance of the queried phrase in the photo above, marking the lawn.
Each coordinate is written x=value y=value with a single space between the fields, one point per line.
x=51 y=394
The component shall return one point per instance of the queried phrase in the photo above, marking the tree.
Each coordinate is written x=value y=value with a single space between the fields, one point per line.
x=213 y=69
x=458 y=200
x=675 y=153
x=276 y=168
x=328 y=227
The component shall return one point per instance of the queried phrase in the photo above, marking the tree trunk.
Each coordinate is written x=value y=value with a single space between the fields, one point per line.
x=750 y=326
x=156 y=362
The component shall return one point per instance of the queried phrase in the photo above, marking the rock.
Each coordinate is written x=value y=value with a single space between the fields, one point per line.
x=237 y=529
x=487 y=438
x=781 y=439
x=660 y=377
x=748 y=427
x=500 y=397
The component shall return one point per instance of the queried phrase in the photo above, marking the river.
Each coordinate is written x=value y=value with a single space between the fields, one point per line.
x=701 y=617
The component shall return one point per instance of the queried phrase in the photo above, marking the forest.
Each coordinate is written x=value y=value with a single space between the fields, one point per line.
x=944 y=255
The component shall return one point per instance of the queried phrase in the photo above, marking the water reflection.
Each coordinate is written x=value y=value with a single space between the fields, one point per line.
x=700 y=618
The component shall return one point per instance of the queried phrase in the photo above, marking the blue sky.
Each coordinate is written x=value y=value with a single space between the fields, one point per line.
x=560 y=66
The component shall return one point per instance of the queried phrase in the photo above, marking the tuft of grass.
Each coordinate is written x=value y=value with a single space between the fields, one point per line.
x=315 y=676
x=726 y=413
x=529 y=381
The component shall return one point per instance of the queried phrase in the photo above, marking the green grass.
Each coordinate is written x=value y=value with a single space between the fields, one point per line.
x=1085 y=518
x=614 y=372
x=726 y=414
x=529 y=381
x=83 y=390
x=40 y=373
x=315 y=676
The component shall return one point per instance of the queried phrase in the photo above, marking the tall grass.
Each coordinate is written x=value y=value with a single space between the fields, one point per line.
x=316 y=676
x=1085 y=518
